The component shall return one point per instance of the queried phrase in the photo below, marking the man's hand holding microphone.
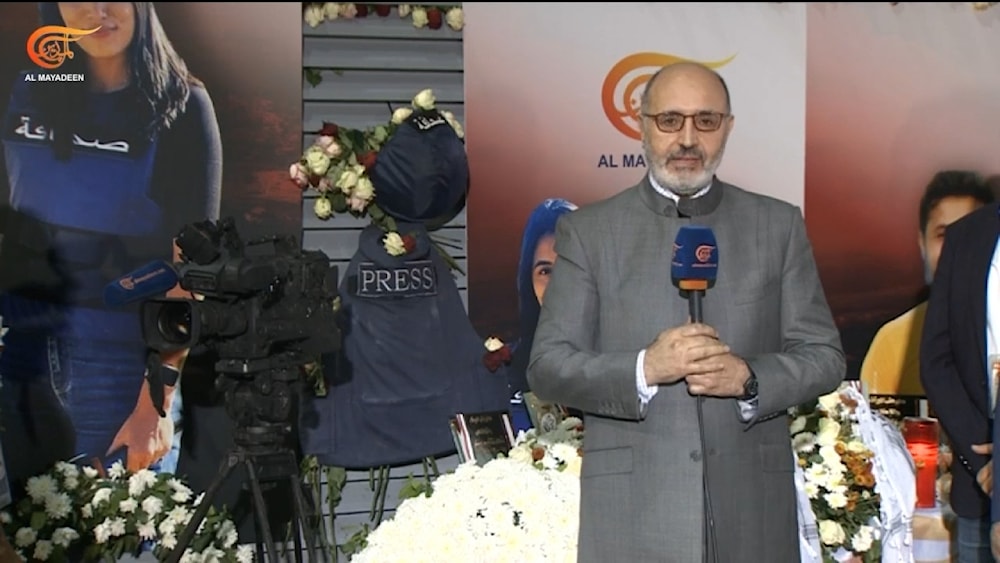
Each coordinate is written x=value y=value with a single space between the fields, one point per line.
x=694 y=353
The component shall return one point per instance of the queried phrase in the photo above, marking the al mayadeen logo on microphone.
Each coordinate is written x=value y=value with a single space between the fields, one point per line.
x=621 y=95
x=48 y=47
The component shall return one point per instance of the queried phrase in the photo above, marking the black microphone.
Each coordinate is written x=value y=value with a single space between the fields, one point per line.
x=694 y=265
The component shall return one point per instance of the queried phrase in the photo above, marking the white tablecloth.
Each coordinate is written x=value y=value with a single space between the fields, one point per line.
x=934 y=535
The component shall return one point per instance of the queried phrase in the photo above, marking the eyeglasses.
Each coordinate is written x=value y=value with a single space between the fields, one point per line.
x=672 y=122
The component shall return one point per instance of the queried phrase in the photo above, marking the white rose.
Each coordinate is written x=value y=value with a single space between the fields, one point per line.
x=522 y=454
x=450 y=118
x=348 y=10
x=455 y=18
x=314 y=15
x=831 y=533
x=364 y=189
x=493 y=344
x=317 y=161
x=332 y=10
x=322 y=208
x=404 y=10
x=401 y=114
x=798 y=425
x=830 y=401
x=424 y=99
x=419 y=17
x=348 y=179
x=394 y=244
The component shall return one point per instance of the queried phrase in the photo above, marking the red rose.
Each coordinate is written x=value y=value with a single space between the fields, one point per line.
x=383 y=9
x=537 y=453
x=362 y=10
x=493 y=360
x=434 y=18
x=314 y=179
x=409 y=243
x=368 y=160
x=329 y=129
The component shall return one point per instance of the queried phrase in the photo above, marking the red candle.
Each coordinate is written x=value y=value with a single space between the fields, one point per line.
x=921 y=436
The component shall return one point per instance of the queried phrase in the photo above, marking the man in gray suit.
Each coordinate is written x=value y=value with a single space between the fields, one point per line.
x=687 y=455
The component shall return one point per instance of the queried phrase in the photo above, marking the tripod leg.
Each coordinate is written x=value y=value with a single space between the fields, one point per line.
x=184 y=541
x=260 y=510
x=303 y=517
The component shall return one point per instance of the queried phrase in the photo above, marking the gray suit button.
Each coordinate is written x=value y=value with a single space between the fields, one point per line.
x=695 y=455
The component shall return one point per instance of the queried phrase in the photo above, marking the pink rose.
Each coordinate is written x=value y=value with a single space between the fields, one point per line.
x=298 y=175
x=329 y=146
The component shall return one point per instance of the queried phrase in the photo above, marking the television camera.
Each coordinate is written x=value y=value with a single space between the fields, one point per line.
x=267 y=309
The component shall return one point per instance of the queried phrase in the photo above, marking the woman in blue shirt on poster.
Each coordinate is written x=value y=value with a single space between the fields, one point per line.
x=533 y=269
x=101 y=174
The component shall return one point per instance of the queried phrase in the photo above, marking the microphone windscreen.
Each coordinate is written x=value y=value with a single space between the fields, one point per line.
x=695 y=255
x=153 y=279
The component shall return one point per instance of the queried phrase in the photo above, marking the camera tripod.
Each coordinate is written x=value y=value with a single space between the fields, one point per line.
x=259 y=403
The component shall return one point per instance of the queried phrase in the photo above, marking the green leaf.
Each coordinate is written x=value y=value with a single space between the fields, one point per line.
x=339 y=201
x=312 y=76
x=38 y=520
x=357 y=142
x=357 y=542
x=414 y=487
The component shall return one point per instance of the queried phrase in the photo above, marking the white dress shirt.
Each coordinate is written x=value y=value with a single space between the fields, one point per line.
x=746 y=409
x=992 y=325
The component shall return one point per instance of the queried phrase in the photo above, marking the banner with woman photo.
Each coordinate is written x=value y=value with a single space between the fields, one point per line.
x=552 y=101
x=123 y=123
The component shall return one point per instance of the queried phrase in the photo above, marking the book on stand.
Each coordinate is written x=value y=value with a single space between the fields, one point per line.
x=482 y=436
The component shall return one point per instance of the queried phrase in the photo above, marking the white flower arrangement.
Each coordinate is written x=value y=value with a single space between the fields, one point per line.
x=72 y=513
x=432 y=17
x=523 y=507
x=839 y=478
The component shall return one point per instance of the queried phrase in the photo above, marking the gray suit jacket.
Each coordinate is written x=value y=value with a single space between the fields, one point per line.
x=610 y=294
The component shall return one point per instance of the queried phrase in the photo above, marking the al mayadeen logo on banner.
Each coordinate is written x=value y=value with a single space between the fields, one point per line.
x=621 y=95
x=48 y=47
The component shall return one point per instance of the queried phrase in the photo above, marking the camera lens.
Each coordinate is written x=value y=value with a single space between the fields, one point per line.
x=174 y=323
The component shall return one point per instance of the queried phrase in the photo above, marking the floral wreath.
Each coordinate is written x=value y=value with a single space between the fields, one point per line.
x=338 y=166
x=431 y=17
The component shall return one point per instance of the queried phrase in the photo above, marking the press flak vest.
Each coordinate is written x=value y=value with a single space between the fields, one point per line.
x=410 y=360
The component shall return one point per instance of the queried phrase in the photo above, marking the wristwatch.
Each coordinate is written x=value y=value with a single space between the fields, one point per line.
x=750 y=387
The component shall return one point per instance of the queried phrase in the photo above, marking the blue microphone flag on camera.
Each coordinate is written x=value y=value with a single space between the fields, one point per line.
x=695 y=261
x=153 y=279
